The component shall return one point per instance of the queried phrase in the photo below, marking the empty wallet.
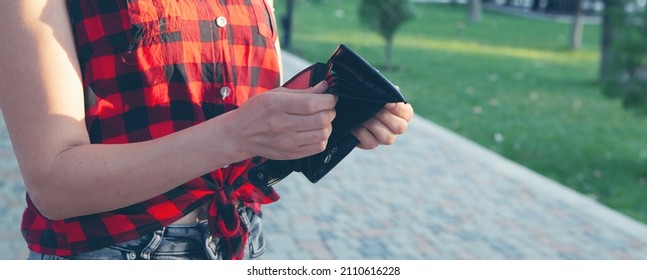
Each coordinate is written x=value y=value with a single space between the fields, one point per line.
x=362 y=91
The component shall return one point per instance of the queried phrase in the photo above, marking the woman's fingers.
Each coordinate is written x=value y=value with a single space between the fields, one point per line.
x=384 y=127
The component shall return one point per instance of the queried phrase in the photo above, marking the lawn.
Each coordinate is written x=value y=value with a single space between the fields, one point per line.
x=508 y=83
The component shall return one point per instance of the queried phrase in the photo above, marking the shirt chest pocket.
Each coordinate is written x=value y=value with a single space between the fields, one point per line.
x=128 y=24
x=264 y=19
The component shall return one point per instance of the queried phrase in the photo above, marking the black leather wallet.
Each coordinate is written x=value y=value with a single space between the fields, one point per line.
x=362 y=91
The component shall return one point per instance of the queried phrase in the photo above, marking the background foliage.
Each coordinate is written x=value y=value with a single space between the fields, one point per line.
x=627 y=67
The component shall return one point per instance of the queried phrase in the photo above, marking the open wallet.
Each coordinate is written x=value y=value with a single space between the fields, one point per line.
x=362 y=91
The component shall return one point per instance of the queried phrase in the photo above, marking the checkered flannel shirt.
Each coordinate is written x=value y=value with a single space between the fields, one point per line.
x=151 y=68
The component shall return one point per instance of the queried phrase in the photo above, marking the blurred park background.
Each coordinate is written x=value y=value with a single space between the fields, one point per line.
x=554 y=85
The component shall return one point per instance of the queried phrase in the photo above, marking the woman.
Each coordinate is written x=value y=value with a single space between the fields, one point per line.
x=140 y=119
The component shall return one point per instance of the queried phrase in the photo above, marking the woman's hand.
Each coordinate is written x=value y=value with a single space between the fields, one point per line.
x=284 y=123
x=383 y=128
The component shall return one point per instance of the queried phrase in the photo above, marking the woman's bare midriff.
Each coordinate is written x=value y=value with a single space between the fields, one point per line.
x=196 y=215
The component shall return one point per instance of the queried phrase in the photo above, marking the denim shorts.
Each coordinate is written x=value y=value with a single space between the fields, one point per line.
x=175 y=242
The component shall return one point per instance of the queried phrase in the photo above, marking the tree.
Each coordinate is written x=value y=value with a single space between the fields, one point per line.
x=623 y=69
x=611 y=20
x=578 y=26
x=386 y=17
x=475 y=11
x=286 y=20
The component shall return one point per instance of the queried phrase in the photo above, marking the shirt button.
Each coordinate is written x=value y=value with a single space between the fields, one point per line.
x=221 y=21
x=225 y=92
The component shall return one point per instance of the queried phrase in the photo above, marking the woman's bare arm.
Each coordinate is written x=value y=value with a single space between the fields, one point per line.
x=66 y=176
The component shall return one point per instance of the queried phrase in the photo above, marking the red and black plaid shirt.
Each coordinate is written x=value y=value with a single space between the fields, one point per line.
x=151 y=68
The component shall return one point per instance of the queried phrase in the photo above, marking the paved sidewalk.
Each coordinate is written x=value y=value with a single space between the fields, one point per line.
x=12 y=200
x=432 y=195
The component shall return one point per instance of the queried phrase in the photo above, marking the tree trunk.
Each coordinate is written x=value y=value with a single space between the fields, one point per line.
x=578 y=26
x=609 y=22
x=389 y=54
x=475 y=11
x=535 y=5
x=286 y=19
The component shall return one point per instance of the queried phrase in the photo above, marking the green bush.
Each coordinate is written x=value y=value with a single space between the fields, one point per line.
x=628 y=63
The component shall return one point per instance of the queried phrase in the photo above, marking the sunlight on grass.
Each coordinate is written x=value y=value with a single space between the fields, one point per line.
x=464 y=47
x=499 y=51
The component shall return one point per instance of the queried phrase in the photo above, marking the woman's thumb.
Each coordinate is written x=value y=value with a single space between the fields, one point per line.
x=321 y=87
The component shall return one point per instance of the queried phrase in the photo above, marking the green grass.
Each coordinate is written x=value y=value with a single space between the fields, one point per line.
x=508 y=83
